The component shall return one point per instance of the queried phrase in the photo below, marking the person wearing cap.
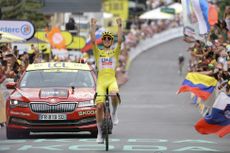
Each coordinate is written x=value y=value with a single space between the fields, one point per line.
x=106 y=60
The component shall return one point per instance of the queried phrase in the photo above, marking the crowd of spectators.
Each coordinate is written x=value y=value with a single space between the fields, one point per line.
x=143 y=29
x=212 y=56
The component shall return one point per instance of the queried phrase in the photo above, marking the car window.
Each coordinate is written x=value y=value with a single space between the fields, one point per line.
x=51 y=78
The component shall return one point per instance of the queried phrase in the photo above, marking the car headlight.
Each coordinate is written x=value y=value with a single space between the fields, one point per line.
x=88 y=103
x=17 y=103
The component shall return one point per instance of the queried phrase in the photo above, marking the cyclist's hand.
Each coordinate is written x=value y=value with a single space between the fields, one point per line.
x=93 y=21
x=119 y=21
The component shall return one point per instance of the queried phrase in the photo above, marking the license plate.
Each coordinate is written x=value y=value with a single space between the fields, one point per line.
x=52 y=117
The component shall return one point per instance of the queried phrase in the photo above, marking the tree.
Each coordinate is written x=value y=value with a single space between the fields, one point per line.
x=23 y=10
x=223 y=4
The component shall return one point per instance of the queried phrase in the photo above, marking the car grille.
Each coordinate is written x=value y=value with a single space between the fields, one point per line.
x=51 y=108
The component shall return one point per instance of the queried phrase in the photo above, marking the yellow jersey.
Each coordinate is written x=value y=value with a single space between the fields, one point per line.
x=106 y=61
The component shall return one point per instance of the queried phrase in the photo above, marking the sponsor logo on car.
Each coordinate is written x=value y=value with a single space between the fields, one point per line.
x=87 y=112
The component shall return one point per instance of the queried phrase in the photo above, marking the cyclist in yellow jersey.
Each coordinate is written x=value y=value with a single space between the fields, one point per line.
x=106 y=62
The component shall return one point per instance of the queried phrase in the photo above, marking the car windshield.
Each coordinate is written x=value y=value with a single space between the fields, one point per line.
x=57 y=78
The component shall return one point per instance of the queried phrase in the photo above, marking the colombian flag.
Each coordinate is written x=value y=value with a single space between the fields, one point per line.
x=199 y=84
x=218 y=121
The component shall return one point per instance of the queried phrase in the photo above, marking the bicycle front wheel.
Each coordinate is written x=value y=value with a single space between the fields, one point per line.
x=106 y=134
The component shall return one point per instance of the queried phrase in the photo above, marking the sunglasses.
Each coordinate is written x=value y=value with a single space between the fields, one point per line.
x=107 y=38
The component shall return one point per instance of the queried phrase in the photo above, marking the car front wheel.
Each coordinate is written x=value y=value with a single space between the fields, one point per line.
x=94 y=134
x=16 y=134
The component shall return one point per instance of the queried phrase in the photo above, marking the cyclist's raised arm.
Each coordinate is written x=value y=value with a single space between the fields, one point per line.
x=93 y=30
x=119 y=32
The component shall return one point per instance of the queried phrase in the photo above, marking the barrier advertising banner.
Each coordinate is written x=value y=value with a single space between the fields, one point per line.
x=21 y=28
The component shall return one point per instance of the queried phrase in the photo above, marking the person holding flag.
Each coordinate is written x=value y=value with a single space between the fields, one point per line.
x=218 y=121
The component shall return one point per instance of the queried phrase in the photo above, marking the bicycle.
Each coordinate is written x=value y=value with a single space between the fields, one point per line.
x=107 y=124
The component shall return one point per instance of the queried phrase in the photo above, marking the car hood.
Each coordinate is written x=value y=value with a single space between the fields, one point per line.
x=29 y=94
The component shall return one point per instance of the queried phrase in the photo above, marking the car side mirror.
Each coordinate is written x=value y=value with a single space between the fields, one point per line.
x=11 y=85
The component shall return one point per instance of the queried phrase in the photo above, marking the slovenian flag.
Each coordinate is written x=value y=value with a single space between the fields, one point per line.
x=218 y=121
x=199 y=84
x=201 y=12
x=98 y=35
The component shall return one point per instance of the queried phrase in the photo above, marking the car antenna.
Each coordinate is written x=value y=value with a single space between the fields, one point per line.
x=72 y=87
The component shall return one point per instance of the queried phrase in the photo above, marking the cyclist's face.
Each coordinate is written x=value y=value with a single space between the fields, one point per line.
x=107 y=41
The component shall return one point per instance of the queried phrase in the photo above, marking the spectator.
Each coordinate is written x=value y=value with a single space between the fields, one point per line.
x=2 y=104
x=227 y=21
x=32 y=53
x=2 y=110
x=70 y=25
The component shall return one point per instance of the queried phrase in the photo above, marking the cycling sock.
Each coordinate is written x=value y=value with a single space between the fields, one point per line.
x=114 y=109
x=99 y=134
x=99 y=128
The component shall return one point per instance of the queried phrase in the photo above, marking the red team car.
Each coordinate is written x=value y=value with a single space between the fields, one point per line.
x=52 y=97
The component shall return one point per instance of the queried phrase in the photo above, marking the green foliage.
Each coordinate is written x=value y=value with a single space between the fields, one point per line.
x=222 y=5
x=23 y=10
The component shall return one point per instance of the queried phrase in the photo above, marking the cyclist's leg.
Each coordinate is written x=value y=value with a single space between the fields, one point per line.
x=113 y=90
x=100 y=99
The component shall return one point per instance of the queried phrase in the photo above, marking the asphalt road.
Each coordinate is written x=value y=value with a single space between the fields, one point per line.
x=152 y=117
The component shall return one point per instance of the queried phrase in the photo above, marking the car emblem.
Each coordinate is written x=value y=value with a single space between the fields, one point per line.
x=52 y=100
